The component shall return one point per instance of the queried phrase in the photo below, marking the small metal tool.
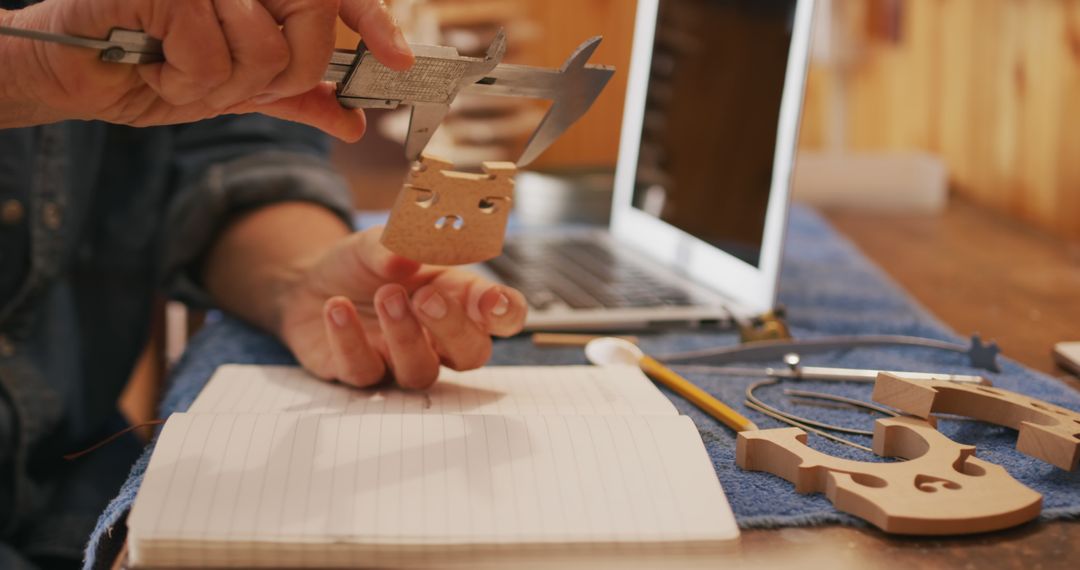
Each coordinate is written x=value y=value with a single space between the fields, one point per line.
x=429 y=87
x=122 y=46
x=796 y=371
x=981 y=354
x=806 y=424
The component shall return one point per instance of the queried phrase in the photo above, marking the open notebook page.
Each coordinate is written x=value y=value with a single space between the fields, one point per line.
x=219 y=485
x=509 y=390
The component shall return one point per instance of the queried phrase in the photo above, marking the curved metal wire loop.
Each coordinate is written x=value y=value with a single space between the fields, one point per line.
x=842 y=399
x=800 y=422
x=800 y=419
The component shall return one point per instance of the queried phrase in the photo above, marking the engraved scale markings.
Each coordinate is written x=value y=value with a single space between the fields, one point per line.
x=430 y=80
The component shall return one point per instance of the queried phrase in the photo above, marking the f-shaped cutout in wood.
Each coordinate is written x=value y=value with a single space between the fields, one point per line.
x=1048 y=432
x=942 y=489
x=444 y=217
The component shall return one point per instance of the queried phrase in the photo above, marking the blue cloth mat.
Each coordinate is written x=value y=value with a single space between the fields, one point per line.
x=828 y=287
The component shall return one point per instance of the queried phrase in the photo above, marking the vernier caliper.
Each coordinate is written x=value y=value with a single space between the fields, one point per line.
x=429 y=87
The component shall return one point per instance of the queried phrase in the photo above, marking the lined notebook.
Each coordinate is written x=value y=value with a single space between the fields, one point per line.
x=494 y=467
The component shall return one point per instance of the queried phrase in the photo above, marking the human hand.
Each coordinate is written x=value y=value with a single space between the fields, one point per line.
x=360 y=313
x=222 y=57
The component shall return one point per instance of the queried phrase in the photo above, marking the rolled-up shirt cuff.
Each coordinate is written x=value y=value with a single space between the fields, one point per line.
x=199 y=213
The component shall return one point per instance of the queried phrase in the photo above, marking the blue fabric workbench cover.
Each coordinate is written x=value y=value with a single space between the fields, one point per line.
x=828 y=287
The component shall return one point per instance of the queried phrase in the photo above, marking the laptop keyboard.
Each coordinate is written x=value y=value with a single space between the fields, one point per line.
x=583 y=274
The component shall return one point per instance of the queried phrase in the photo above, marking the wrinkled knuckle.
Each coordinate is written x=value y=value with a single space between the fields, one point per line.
x=296 y=79
x=213 y=71
x=179 y=97
x=274 y=55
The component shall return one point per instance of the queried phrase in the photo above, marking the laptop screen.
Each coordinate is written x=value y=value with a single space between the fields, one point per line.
x=709 y=172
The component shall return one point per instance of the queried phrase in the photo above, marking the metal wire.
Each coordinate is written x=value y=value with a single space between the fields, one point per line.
x=800 y=419
x=841 y=399
x=791 y=419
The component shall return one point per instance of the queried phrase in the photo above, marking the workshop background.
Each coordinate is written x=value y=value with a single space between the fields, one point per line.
x=939 y=135
x=911 y=97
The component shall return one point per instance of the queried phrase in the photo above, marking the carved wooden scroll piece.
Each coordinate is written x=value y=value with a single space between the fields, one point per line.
x=1048 y=432
x=942 y=489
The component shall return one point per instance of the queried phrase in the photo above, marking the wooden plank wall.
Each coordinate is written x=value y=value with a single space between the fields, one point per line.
x=593 y=141
x=992 y=86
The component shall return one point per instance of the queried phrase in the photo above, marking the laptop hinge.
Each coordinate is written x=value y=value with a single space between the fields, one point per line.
x=768 y=326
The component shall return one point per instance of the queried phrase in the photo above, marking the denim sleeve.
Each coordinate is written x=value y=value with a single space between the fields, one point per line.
x=231 y=165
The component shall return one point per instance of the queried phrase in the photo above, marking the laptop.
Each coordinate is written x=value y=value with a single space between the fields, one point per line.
x=702 y=183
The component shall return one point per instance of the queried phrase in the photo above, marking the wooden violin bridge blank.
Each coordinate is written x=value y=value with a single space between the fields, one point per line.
x=444 y=217
x=943 y=489
x=1048 y=432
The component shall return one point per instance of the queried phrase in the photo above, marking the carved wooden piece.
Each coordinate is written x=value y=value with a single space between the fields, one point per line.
x=942 y=490
x=1048 y=432
x=444 y=217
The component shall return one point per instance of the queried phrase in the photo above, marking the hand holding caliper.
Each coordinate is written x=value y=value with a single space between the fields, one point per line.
x=214 y=57
x=157 y=91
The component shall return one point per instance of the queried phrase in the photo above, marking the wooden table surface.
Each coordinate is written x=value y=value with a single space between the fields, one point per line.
x=978 y=273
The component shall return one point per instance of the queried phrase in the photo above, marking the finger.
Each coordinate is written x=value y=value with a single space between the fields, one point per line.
x=498 y=309
x=380 y=263
x=318 y=108
x=257 y=48
x=380 y=33
x=309 y=30
x=412 y=358
x=501 y=310
x=196 y=54
x=462 y=344
x=355 y=362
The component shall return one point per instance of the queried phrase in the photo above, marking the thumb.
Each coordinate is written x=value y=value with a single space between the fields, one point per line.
x=378 y=260
x=380 y=32
x=318 y=108
x=357 y=266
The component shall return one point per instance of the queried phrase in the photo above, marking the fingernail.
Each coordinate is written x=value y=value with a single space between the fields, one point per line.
x=340 y=316
x=400 y=44
x=265 y=99
x=501 y=306
x=394 y=306
x=434 y=307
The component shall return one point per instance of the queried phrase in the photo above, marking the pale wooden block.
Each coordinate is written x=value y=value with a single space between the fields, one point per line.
x=1048 y=432
x=943 y=489
x=444 y=217
x=895 y=182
